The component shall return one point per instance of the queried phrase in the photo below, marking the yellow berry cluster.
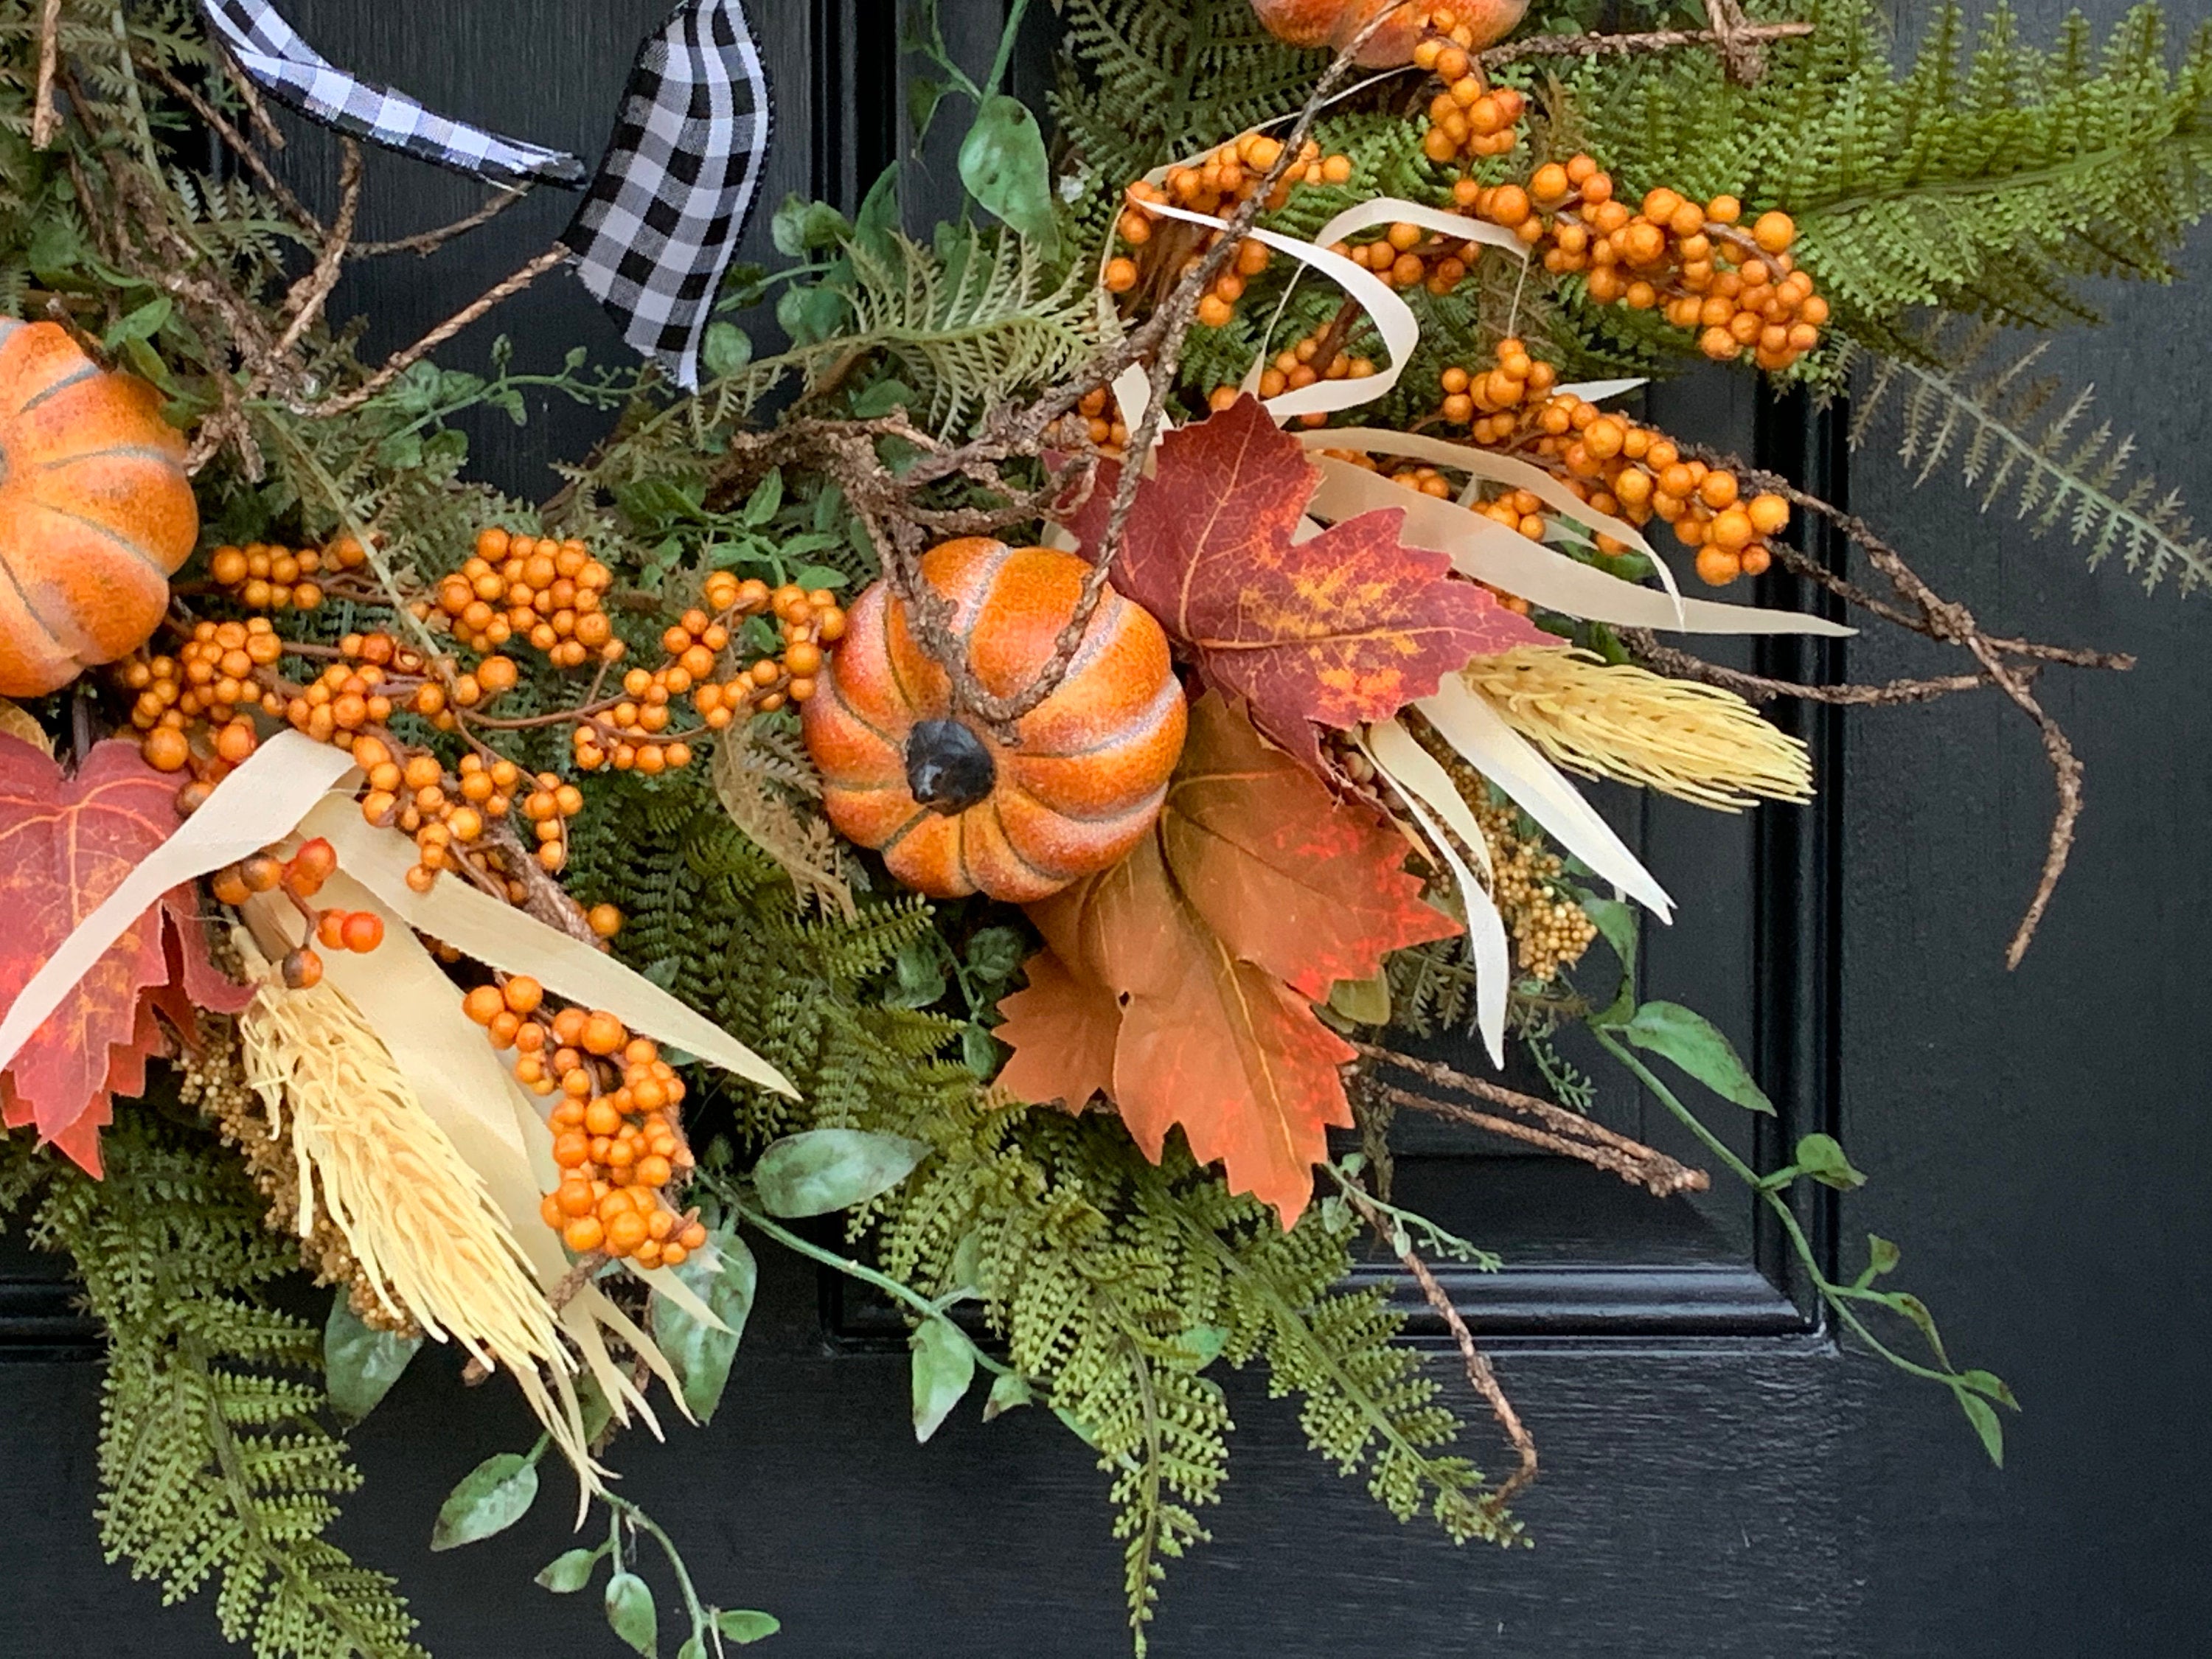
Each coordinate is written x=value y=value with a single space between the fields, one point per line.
x=1550 y=930
x=523 y=587
x=1470 y=119
x=616 y=1138
x=265 y=578
x=1735 y=286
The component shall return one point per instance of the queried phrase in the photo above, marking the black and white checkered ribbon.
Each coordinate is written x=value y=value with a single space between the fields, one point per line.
x=662 y=217
x=271 y=52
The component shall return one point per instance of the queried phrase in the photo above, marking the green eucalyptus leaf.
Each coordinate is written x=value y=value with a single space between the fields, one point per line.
x=1003 y=163
x=724 y=1275
x=818 y=1171
x=141 y=357
x=1822 y=1157
x=492 y=1498
x=944 y=1366
x=143 y=323
x=1696 y=1044
x=979 y=1052
x=1362 y=1001
x=1987 y=1424
x=743 y=1625
x=726 y=349
x=360 y=1363
x=568 y=1572
x=1009 y=1391
x=767 y=497
x=630 y=1612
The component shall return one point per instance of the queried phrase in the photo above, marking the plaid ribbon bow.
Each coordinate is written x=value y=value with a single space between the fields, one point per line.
x=272 y=53
x=662 y=217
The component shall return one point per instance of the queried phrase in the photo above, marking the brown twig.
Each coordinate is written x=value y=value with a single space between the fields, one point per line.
x=426 y=242
x=401 y=361
x=313 y=291
x=1644 y=646
x=239 y=145
x=45 y=117
x=1580 y=46
x=1949 y=622
x=1569 y=1133
x=1479 y=1370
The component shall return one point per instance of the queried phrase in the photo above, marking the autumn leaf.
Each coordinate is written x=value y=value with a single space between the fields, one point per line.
x=66 y=843
x=1345 y=627
x=1181 y=981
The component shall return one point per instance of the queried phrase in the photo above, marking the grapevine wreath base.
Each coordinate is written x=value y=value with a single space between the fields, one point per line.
x=1016 y=766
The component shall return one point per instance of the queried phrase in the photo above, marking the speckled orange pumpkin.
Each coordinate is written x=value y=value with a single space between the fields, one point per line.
x=953 y=808
x=1336 y=23
x=95 y=510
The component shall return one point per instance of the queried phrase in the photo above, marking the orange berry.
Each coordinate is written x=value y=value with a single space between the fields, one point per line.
x=522 y=994
x=483 y=1004
x=363 y=931
x=626 y=1232
x=302 y=970
x=329 y=930
x=584 y=1233
x=603 y=1033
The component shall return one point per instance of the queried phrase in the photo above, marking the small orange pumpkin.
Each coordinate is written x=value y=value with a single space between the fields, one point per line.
x=1336 y=24
x=95 y=510
x=953 y=808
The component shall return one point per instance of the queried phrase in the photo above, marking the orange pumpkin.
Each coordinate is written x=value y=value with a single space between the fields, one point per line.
x=1336 y=23
x=953 y=808
x=95 y=510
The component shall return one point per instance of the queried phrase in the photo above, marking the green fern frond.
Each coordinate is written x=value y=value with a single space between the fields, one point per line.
x=213 y=1461
x=2015 y=440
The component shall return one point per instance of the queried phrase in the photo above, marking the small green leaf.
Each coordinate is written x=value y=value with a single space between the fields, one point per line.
x=724 y=1275
x=693 y=1648
x=1009 y=1391
x=1882 y=1257
x=921 y=970
x=360 y=1363
x=726 y=349
x=143 y=323
x=141 y=357
x=816 y=575
x=979 y=1052
x=1990 y=1384
x=1695 y=1043
x=944 y=1366
x=492 y=1498
x=1204 y=1343
x=768 y=495
x=630 y=1611
x=1983 y=1417
x=878 y=217
x=803 y=227
x=1362 y=1001
x=994 y=953
x=1003 y=163
x=923 y=95
x=1619 y=926
x=818 y=1171
x=1821 y=1157
x=743 y=1625
x=1913 y=1309
x=566 y=1573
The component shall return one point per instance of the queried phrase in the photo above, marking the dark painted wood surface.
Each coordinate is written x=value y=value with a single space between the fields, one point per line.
x=2037 y=1142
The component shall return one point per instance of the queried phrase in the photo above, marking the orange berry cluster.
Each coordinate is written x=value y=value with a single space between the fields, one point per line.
x=300 y=876
x=449 y=815
x=1301 y=366
x=213 y=678
x=1469 y=119
x=1490 y=401
x=633 y=732
x=1405 y=256
x=265 y=578
x=614 y=1130
x=1697 y=263
x=548 y=592
x=1214 y=186
x=1096 y=420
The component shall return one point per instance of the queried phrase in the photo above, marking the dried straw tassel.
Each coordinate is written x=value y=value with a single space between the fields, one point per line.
x=1617 y=721
x=417 y=1218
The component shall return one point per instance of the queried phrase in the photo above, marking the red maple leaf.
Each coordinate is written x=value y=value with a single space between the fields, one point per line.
x=66 y=844
x=1181 y=981
x=1344 y=627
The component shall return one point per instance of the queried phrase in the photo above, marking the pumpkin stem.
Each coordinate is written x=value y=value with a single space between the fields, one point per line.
x=948 y=769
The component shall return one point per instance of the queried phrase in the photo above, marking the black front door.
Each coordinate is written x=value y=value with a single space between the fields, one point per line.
x=1721 y=1476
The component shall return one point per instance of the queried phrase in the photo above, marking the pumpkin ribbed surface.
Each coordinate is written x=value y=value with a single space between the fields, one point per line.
x=95 y=510
x=1076 y=792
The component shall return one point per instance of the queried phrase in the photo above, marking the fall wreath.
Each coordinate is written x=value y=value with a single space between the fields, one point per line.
x=1017 y=765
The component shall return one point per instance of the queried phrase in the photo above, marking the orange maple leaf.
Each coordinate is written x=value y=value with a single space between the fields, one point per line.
x=66 y=843
x=1181 y=981
x=1344 y=627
